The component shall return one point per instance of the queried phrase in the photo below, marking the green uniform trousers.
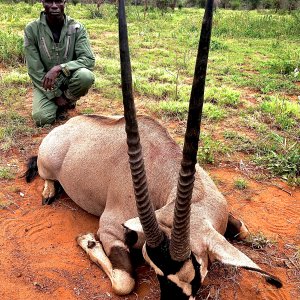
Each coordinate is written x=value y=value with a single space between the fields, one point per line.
x=75 y=86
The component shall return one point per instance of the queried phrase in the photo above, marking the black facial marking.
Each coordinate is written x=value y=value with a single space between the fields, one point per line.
x=169 y=290
x=91 y=244
x=131 y=237
x=196 y=282
x=120 y=259
x=160 y=256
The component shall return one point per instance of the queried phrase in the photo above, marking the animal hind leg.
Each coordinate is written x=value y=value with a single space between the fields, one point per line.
x=236 y=229
x=116 y=264
x=52 y=191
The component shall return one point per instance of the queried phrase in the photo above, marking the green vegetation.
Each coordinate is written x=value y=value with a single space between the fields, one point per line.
x=11 y=48
x=12 y=127
x=285 y=164
x=5 y=173
x=252 y=94
x=285 y=114
x=259 y=241
x=210 y=148
x=223 y=96
x=240 y=184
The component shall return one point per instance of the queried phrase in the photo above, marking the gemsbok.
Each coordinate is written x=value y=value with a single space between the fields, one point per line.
x=162 y=201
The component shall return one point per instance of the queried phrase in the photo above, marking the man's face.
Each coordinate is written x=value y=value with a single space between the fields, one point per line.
x=54 y=8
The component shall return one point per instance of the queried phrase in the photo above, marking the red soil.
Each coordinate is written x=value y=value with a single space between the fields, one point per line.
x=39 y=257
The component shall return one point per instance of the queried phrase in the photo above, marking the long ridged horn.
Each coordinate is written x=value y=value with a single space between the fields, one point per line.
x=153 y=234
x=180 y=237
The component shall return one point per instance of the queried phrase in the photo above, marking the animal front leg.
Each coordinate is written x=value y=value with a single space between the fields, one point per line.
x=121 y=280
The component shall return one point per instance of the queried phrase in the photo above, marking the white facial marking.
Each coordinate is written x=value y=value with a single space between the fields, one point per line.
x=184 y=277
x=157 y=270
x=186 y=287
x=134 y=224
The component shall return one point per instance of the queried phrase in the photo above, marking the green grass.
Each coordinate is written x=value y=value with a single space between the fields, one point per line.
x=6 y=173
x=210 y=150
x=239 y=142
x=16 y=77
x=285 y=163
x=260 y=241
x=240 y=184
x=11 y=48
x=286 y=114
x=12 y=127
x=87 y=111
x=223 y=96
x=170 y=109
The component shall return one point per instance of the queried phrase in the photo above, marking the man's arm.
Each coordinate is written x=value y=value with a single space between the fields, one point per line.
x=83 y=52
x=41 y=79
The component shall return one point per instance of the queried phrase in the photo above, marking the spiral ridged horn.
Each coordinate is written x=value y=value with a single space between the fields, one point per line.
x=153 y=234
x=180 y=236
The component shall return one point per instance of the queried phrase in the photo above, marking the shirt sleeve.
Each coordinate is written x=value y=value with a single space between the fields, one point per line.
x=35 y=67
x=83 y=53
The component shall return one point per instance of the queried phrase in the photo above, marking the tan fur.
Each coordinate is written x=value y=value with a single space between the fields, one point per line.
x=88 y=156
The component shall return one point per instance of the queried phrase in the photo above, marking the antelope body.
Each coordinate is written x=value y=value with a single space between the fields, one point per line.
x=88 y=157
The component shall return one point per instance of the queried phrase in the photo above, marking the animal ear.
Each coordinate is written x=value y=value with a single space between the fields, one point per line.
x=134 y=234
x=220 y=249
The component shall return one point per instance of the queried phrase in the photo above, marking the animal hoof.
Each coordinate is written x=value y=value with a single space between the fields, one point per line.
x=48 y=201
x=86 y=241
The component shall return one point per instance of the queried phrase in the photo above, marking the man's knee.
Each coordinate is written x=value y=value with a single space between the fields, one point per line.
x=43 y=117
x=85 y=77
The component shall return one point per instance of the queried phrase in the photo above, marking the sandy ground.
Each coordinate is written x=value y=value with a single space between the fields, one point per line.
x=39 y=257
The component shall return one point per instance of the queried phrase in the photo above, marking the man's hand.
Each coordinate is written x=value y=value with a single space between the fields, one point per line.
x=60 y=101
x=50 y=77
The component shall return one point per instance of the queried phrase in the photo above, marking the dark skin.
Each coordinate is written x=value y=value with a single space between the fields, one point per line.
x=54 y=11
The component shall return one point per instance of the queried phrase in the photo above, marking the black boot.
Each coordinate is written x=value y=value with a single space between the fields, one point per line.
x=62 y=113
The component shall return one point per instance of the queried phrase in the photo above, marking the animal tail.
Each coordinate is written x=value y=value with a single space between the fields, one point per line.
x=32 y=169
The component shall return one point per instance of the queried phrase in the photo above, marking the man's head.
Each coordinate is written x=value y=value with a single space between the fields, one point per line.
x=54 y=9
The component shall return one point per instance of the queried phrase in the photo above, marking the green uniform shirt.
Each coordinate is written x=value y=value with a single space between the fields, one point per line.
x=72 y=52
